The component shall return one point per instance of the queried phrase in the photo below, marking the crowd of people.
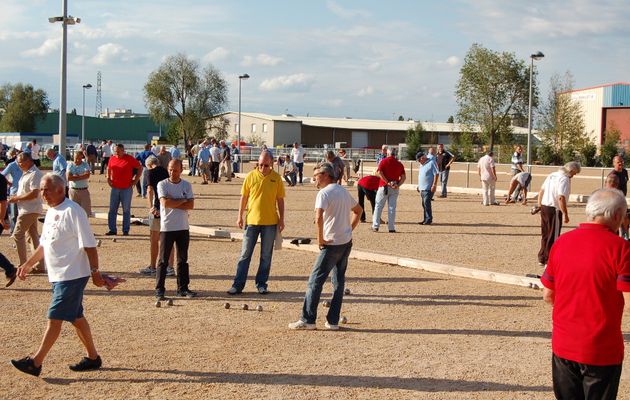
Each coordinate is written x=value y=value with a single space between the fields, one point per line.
x=571 y=261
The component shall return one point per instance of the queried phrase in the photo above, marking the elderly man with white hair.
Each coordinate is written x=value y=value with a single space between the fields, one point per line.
x=587 y=280
x=552 y=201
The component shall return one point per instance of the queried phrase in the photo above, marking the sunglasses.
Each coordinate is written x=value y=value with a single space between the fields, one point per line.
x=264 y=165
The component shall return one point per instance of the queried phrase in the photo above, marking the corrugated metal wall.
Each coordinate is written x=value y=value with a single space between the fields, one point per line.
x=617 y=95
x=591 y=101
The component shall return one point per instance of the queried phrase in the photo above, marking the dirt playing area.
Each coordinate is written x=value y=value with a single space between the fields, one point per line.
x=410 y=334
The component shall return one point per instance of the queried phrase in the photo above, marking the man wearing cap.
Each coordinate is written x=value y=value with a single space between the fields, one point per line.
x=392 y=174
x=333 y=208
x=427 y=181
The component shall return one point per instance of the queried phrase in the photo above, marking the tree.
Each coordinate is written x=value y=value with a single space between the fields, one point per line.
x=450 y=120
x=401 y=118
x=609 y=149
x=562 y=125
x=414 y=139
x=492 y=86
x=219 y=127
x=19 y=105
x=178 y=89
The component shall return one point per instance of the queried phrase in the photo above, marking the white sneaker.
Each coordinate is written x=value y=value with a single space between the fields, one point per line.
x=331 y=327
x=301 y=325
x=170 y=271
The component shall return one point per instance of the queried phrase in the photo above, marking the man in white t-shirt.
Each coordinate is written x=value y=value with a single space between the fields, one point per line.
x=297 y=152
x=333 y=207
x=488 y=175
x=35 y=153
x=106 y=153
x=176 y=200
x=69 y=248
x=552 y=201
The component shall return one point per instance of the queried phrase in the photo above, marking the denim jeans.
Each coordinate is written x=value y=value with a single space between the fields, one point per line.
x=290 y=178
x=391 y=197
x=426 y=196
x=331 y=259
x=120 y=197
x=444 y=181
x=145 y=181
x=235 y=168
x=267 y=235
x=300 y=170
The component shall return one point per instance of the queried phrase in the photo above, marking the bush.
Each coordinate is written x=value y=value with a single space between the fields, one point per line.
x=588 y=154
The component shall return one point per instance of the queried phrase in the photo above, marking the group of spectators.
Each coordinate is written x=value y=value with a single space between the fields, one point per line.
x=212 y=160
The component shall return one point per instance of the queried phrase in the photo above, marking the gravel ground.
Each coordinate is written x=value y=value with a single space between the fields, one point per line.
x=410 y=334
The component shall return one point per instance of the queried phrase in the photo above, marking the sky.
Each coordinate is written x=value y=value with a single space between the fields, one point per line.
x=329 y=58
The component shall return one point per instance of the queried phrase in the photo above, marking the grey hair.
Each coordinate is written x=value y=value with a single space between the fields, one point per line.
x=605 y=203
x=328 y=169
x=54 y=179
x=266 y=154
x=392 y=151
x=152 y=160
x=572 y=166
x=25 y=156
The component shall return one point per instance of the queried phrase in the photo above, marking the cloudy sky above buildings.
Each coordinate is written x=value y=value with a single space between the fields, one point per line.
x=334 y=58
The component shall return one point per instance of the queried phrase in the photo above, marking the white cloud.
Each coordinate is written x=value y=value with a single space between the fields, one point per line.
x=108 y=53
x=297 y=83
x=366 y=91
x=345 y=12
x=451 y=61
x=49 y=46
x=375 y=66
x=262 y=59
x=218 y=54
x=334 y=103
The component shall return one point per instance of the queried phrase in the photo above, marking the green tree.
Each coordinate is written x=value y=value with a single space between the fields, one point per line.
x=414 y=139
x=492 y=86
x=562 y=126
x=19 y=105
x=450 y=120
x=401 y=118
x=179 y=89
x=610 y=147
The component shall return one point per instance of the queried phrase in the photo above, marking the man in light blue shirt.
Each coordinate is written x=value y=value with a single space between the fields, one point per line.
x=59 y=165
x=175 y=153
x=427 y=181
x=15 y=173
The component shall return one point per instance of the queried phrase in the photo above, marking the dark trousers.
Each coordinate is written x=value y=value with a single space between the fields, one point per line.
x=6 y=265
x=214 y=171
x=181 y=239
x=300 y=170
x=371 y=196
x=104 y=163
x=427 y=196
x=575 y=381
x=550 y=225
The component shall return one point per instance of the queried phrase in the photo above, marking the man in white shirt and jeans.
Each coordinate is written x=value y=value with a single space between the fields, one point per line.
x=333 y=207
x=297 y=152
x=69 y=248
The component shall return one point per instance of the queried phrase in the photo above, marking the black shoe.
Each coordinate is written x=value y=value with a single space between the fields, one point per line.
x=186 y=293
x=11 y=279
x=295 y=241
x=87 y=364
x=159 y=296
x=27 y=366
x=110 y=233
x=392 y=231
x=305 y=241
x=125 y=233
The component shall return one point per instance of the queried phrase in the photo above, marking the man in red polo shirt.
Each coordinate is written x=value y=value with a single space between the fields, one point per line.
x=392 y=174
x=123 y=171
x=587 y=281
x=367 y=187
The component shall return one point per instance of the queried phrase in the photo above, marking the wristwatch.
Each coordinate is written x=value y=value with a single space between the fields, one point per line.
x=93 y=269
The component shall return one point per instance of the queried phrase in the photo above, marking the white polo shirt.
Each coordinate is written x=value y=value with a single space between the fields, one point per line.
x=29 y=181
x=557 y=184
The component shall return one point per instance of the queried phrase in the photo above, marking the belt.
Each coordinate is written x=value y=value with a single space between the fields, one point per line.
x=79 y=188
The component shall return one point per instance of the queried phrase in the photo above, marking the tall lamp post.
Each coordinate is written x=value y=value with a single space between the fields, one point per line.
x=65 y=20
x=88 y=86
x=536 y=56
x=240 y=80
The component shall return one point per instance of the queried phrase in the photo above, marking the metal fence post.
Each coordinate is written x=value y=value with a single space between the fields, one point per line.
x=467 y=175
x=411 y=168
x=603 y=177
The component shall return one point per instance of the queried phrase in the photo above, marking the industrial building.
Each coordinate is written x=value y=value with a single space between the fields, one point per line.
x=605 y=107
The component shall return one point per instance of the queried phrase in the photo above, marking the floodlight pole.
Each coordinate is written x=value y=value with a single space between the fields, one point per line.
x=533 y=57
x=240 y=156
x=88 y=86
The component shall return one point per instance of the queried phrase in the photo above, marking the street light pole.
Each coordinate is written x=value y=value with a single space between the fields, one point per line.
x=533 y=57
x=88 y=86
x=65 y=20
x=240 y=158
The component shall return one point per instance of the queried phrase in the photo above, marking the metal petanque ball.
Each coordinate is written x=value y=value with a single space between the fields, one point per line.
x=343 y=320
x=114 y=240
x=347 y=291
x=245 y=307
x=226 y=306
x=158 y=304
x=169 y=302
x=259 y=308
x=326 y=303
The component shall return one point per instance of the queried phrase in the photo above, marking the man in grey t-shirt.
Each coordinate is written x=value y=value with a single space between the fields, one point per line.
x=176 y=199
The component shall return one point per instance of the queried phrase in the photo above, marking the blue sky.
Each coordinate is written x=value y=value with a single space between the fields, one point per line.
x=335 y=58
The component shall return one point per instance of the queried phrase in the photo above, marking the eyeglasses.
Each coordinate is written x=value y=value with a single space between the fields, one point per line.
x=264 y=165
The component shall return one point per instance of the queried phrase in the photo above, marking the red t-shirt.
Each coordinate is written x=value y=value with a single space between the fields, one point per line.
x=369 y=182
x=391 y=168
x=121 y=170
x=588 y=268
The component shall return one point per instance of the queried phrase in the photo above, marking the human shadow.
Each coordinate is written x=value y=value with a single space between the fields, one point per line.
x=463 y=332
x=420 y=384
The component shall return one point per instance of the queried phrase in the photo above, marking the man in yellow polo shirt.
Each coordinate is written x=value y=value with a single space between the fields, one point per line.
x=262 y=195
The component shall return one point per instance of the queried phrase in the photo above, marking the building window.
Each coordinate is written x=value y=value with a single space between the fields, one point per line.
x=265 y=128
x=253 y=128
x=236 y=128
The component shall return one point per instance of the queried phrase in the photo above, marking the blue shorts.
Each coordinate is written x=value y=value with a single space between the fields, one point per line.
x=67 y=300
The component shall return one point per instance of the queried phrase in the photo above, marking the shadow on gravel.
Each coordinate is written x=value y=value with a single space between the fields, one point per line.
x=336 y=381
x=465 y=332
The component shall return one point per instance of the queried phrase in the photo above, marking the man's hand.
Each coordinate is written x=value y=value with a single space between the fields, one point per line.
x=281 y=225
x=109 y=182
x=23 y=270
x=433 y=189
x=98 y=280
x=239 y=221
x=566 y=218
